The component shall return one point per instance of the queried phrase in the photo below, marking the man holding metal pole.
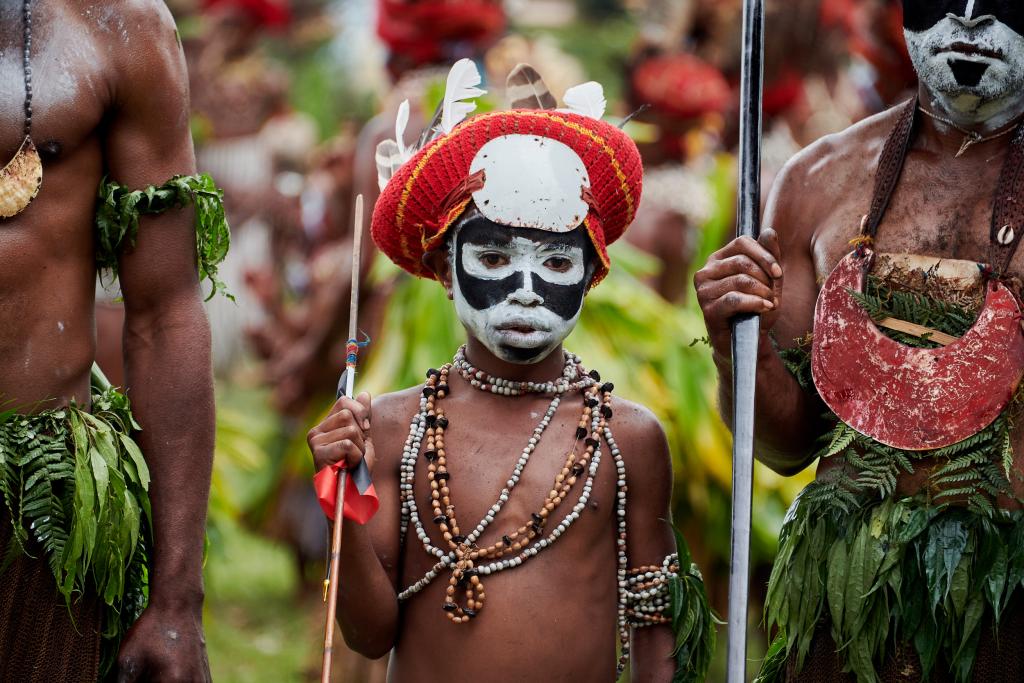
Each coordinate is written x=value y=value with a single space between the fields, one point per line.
x=891 y=352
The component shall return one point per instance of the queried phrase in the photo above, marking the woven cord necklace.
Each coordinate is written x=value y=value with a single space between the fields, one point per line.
x=971 y=137
x=22 y=177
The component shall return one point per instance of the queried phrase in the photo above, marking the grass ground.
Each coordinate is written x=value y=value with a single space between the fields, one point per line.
x=258 y=630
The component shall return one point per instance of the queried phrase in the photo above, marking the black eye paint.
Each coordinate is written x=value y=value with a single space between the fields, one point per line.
x=480 y=293
x=563 y=300
x=921 y=15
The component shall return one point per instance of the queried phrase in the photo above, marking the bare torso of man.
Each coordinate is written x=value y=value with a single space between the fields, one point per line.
x=47 y=271
x=942 y=207
x=110 y=98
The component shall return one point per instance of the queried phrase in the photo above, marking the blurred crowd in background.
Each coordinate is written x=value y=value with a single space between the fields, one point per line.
x=289 y=100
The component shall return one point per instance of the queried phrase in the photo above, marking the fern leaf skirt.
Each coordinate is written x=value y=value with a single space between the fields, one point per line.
x=897 y=590
x=74 y=538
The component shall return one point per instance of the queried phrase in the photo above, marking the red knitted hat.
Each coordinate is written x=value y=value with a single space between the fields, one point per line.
x=429 y=192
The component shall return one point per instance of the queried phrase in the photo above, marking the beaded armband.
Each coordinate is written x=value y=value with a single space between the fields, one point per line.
x=648 y=595
x=119 y=209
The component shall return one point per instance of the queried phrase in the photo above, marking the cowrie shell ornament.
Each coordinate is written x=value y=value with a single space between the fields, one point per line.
x=20 y=180
x=1006 y=235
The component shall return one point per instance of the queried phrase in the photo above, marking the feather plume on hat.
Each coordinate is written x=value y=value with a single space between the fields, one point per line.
x=460 y=89
x=535 y=166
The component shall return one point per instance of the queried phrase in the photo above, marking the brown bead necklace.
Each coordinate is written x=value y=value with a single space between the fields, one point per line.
x=461 y=557
x=464 y=574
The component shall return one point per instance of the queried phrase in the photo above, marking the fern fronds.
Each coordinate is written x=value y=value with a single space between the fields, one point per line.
x=75 y=487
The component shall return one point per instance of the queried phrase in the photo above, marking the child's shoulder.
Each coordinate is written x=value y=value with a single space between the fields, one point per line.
x=397 y=406
x=638 y=432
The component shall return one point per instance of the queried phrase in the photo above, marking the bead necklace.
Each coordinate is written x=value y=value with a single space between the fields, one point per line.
x=462 y=557
x=22 y=177
x=569 y=381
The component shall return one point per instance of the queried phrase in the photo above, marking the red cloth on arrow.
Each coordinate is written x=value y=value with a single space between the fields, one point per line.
x=359 y=506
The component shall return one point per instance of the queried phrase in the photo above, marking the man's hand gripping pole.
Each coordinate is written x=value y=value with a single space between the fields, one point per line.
x=745 y=340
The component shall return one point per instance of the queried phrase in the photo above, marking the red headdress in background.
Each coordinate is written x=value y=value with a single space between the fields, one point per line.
x=269 y=13
x=423 y=30
x=681 y=85
x=530 y=168
x=877 y=39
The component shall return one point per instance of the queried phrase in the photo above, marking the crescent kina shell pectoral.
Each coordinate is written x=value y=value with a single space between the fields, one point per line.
x=20 y=180
x=905 y=397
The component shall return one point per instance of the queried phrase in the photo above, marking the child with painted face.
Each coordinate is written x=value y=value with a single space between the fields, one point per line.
x=518 y=292
x=522 y=531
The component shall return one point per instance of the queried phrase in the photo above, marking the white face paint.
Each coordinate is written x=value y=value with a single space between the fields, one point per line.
x=972 y=65
x=519 y=297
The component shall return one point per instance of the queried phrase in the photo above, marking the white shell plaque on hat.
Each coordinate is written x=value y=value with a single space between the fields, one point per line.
x=531 y=182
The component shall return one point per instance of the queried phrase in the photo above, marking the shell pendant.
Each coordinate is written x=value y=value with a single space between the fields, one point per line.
x=20 y=180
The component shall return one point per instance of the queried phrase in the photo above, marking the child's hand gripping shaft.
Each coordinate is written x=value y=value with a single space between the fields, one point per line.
x=342 y=437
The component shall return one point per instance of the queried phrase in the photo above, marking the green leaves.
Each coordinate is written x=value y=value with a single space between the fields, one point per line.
x=895 y=570
x=693 y=622
x=881 y=301
x=919 y=570
x=119 y=210
x=76 y=484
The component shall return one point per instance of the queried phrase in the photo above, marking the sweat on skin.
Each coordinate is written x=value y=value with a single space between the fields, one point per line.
x=969 y=55
x=519 y=291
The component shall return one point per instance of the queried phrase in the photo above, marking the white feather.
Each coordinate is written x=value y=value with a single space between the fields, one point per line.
x=388 y=160
x=586 y=99
x=462 y=82
x=400 y=123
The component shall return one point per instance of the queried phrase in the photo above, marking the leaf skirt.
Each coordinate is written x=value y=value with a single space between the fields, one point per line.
x=895 y=580
x=74 y=487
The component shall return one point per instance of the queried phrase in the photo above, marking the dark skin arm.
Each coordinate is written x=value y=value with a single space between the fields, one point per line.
x=773 y=277
x=648 y=525
x=368 y=598
x=167 y=349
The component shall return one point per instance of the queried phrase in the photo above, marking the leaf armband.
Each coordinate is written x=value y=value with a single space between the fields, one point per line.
x=119 y=209
x=673 y=594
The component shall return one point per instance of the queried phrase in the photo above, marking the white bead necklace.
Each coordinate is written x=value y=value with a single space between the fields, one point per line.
x=572 y=379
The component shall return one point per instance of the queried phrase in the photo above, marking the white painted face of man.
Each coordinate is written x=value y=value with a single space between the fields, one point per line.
x=519 y=291
x=969 y=54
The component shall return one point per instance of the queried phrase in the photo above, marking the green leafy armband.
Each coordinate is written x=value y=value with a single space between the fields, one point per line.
x=119 y=210
x=673 y=594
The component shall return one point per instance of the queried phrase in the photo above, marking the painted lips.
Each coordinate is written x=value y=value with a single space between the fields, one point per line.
x=969 y=50
x=522 y=327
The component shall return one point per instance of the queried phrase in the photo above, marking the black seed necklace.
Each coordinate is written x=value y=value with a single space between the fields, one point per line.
x=22 y=177
x=27 y=42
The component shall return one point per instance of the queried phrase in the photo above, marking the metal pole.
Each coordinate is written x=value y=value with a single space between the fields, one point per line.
x=745 y=338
